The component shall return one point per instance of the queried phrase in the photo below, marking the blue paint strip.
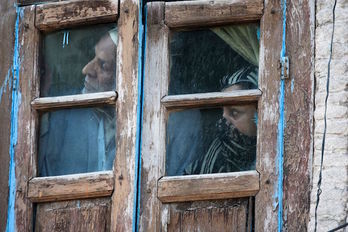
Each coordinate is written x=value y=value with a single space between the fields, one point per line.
x=281 y=126
x=16 y=99
x=137 y=179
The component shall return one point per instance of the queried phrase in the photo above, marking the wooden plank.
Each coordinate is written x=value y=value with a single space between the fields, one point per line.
x=123 y=208
x=222 y=215
x=299 y=106
x=78 y=100
x=208 y=186
x=154 y=116
x=266 y=202
x=53 y=16
x=211 y=99
x=211 y=13
x=77 y=215
x=7 y=34
x=25 y=77
x=79 y=186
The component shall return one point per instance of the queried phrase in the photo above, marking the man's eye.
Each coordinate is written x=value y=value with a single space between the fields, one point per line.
x=106 y=66
x=234 y=113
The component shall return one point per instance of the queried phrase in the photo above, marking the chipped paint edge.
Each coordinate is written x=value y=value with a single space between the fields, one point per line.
x=281 y=127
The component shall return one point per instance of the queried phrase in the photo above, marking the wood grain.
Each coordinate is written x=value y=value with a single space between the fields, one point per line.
x=211 y=99
x=126 y=162
x=53 y=16
x=79 y=186
x=77 y=215
x=154 y=116
x=209 y=216
x=266 y=202
x=210 y=13
x=79 y=100
x=299 y=105
x=208 y=186
x=22 y=148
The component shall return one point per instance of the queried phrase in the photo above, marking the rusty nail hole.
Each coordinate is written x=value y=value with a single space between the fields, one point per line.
x=120 y=177
x=267 y=182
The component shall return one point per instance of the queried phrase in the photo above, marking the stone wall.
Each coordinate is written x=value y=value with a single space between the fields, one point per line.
x=333 y=207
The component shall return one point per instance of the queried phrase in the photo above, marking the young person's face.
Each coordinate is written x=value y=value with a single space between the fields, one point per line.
x=241 y=116
x=100 y=71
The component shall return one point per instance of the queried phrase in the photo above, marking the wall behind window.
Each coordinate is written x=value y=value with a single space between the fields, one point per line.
x=333 y=205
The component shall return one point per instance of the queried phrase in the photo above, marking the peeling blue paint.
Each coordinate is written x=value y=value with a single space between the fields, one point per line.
x=280 y=134
x=7 y=83
x=16 y=100
x=141 y=62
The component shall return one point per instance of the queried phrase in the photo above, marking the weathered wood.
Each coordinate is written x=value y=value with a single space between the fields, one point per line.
x=210 y=13
x=209 y=216
x=79 y=186
x=7 y=34
x=154 y=116
x=53 y=16
x=299 y=106
x=266 y=202
x=25 y=76
x=123 y=209
x=78 y=215
x=208 y=187
x=211 y=99
x=78 y=100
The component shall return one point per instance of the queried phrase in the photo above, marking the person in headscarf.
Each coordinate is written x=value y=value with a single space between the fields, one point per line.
x=234 y=148
x=83 y=140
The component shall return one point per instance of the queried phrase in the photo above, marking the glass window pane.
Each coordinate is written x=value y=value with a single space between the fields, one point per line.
x=75 y=61
x=212 y=59
x=202 y=141
x=76 y=141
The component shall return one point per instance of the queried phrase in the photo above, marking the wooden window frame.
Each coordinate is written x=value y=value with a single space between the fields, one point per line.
x=34 y=19
x=55 y=16
x=161 y=18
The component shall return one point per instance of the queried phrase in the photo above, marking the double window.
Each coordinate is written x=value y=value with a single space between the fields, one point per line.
x=202 y=107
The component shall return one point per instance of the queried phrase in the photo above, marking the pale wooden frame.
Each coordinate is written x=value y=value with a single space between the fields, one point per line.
x=47 y=18
x=208 y=187
x=161 y=19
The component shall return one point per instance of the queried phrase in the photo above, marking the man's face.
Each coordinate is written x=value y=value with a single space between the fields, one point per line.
x=100 y=71
x=241 y=116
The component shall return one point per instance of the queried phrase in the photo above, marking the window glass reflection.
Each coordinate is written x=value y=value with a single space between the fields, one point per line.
x=201 y=60
x=202 y=141
x=76 y=141
x=75 y=61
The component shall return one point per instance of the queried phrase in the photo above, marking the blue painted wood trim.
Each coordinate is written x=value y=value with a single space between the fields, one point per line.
x=16 y=100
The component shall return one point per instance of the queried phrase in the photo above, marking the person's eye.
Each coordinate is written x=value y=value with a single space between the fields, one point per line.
x=106 y=66
x=234 y=113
